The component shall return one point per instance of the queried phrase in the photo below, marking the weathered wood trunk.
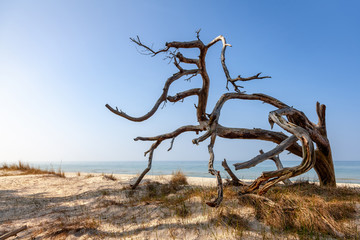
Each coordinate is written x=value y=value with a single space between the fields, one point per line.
x=324 y=168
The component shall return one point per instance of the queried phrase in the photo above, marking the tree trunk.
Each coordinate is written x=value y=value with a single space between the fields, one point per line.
x=324 y=168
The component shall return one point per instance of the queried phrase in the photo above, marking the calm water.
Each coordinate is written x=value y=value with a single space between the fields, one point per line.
x=346 y=171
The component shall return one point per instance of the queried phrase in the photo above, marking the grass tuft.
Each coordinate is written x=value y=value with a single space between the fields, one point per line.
x=26 y=169
x=178 y=178
x=110 y=177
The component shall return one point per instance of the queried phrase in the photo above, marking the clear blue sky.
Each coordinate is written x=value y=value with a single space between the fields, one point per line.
x=62 y=61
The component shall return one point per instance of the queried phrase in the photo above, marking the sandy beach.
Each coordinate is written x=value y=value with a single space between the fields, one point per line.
x=94 y=206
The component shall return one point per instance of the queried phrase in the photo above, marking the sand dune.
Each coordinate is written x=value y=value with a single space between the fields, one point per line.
x=91 y=206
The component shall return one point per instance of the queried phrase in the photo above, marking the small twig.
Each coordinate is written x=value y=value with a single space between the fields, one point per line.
x=198 y=34
x=150 y=50
x=164 y=104
x=171 y=143
x=189 y=78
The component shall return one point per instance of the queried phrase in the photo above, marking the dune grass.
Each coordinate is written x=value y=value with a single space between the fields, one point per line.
x=178 y=178
x=304 y=209
x=26 y=169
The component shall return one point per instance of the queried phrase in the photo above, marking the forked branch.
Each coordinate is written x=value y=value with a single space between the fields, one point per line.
x=229 y=79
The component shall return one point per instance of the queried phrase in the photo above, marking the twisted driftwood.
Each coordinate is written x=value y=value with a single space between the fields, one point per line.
x=273 y=177
x=209 y=123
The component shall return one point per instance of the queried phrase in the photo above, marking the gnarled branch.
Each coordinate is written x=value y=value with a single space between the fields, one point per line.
x=162 y=98
x=272 y=177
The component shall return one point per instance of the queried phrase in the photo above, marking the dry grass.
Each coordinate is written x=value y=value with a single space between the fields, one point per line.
x=299 y=211
x=307 y=209
x=63 y=227
x=109 y=177
x=232 y=220
x=156 y=191
x=172 y=195
x=178 y=178
x=26 y=169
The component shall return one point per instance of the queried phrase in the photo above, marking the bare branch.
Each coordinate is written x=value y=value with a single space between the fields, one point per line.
x=146 y=170
x=256 y=96
x=181 y=95
x=216 y=202
x=239 y=78
x=215 y=40
x=198 y=33
x=203 y=137
x=171 y=143
x=262 y=157
x=150 y=50
x=257 y=76
x=226 y=70
x=186 y=60
x=177 y=65
x=235 y=180
x=189 y=78
x=177 y=132
x=258 y=134
x=191 y=44
x=162 y=98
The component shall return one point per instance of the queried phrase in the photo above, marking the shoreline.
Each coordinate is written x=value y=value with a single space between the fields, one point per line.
x=126 y=179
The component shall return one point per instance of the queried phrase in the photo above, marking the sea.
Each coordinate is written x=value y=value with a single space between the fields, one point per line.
x=345 y=171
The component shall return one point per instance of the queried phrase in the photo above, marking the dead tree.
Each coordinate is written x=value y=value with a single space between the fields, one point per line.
x=291 y=120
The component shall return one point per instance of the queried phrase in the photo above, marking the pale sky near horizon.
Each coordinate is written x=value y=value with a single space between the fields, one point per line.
x=62 y=61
